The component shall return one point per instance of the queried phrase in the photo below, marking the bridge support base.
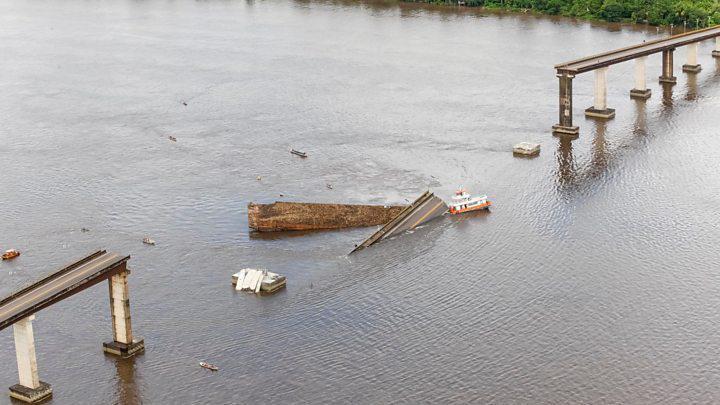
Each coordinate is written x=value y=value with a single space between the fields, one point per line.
x=123 y=349
x=640 y=94
x=716 y=54
x=559 y=130
x=692 y=68
x=593 y=112
x=667 y=67
x=31 y=395
x=30 y=389
x=123 y=343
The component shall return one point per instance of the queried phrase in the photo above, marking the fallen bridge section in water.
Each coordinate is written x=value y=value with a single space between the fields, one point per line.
x=294 y=216
x=427 y=207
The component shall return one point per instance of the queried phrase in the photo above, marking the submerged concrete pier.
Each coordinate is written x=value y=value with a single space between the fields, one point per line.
x=566 y=72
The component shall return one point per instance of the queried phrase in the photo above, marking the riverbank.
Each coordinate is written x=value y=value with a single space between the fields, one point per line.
x=688 y=14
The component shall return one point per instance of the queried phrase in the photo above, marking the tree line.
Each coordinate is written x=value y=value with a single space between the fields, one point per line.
x=689 y=13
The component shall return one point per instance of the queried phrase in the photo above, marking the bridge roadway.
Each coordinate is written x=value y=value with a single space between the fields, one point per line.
x=633 y=52
x=425 y=208
x=68 y=281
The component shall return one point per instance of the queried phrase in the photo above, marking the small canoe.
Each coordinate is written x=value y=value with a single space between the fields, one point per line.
x=209 y=366
x=298 y=153
x=10 y=254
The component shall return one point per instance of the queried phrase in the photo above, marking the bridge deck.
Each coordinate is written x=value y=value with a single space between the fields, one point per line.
x=636 y=51
x=65 y=282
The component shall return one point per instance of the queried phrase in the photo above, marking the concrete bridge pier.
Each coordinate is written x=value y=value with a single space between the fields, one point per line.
x=640 y=92
x=716 y=52
x=123 y=343
x=565 y=123
x=30 y=389
x=600 y=109
x=667 y=67
x=692 y=65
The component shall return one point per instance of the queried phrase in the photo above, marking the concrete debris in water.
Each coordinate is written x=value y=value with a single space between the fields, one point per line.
x=526 y=149
x=294 y=216
x=427 y=207
x=149 y=241
x=258 y=281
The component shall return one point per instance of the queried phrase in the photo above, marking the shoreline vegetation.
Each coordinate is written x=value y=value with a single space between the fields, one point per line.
x=690 y=14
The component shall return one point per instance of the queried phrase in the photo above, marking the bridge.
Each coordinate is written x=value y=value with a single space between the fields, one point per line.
x=19 y=308
x=600 y=63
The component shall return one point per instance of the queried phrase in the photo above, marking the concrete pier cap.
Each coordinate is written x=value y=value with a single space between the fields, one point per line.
x=716 y=52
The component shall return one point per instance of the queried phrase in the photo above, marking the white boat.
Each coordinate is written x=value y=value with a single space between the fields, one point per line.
x=462 y=202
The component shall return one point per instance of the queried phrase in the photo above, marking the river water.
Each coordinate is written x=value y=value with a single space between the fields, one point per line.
x=593 y=280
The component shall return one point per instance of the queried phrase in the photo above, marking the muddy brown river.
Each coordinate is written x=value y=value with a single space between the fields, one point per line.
x=594 y=279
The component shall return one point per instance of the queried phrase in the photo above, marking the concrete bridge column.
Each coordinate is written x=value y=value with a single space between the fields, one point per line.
x=30 y=389
x=692 y=65
x=600 y=109
x=123 y=343
x=716 y=52
x=667 y=67
x=565 y=124
x=640 y=91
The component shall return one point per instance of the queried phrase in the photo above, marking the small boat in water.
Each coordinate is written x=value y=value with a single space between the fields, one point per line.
x=10 y=254
x=209 y=366
x=462 y=202
x=298 y=153
x=149 y=241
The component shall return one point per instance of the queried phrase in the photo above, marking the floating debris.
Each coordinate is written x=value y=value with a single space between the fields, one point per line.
x=295 y=216
x=258 y=178
x=84 y=230
x=184 y=103
x=256 y=281
x=298 y=153
x=149 y=241
x=10 y=254
x=329 y=186
x=526 y=149
x=425 y=208
x=172 y=138
x=462 y=202
x=209 y=366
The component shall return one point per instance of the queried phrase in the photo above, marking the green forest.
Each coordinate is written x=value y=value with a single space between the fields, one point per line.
x=690 y=13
